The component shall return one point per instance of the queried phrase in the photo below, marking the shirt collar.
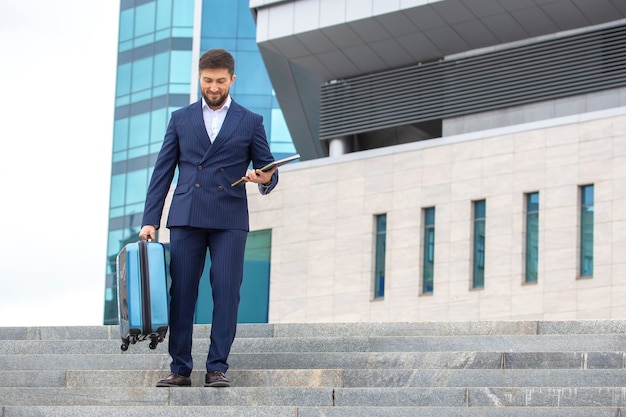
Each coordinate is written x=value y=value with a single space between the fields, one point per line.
x=226 y=105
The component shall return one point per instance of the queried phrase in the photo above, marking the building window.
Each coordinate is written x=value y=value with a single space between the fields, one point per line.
x=428 y=255
x=478 y=258
x=586 y=230
x=379 y=268
x=532 y=238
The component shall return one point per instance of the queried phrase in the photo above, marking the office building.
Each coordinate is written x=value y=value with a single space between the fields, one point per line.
x=463 y=159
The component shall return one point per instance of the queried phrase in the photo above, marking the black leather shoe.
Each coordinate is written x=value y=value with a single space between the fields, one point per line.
x=175 y=380
x=216 y=379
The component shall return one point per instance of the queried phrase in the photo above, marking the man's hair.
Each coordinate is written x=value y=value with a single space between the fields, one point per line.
x=217 y=59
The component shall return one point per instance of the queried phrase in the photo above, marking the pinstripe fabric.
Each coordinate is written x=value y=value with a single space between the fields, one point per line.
x=206 y=212
x=188 y=249
x=227 y=252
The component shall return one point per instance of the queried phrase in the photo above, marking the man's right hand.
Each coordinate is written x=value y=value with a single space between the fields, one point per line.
x=148 y=232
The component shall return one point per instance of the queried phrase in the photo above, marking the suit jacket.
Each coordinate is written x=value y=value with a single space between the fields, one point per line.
x=203 y=196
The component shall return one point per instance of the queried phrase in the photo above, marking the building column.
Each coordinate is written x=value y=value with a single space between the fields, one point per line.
x=340 y=146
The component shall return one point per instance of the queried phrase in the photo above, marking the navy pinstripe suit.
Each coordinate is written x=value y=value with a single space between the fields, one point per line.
x=206 y=212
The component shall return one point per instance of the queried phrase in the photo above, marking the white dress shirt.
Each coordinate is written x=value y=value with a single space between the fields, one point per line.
x=213 y=119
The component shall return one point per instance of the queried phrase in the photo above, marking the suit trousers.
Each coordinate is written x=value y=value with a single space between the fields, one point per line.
x=188 y=248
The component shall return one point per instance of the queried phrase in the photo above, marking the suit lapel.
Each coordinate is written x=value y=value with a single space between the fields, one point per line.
x=230 y=123
x=197 y=124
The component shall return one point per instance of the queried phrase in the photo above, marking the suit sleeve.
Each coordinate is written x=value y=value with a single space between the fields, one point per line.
x=261 y=155
x=162 y=176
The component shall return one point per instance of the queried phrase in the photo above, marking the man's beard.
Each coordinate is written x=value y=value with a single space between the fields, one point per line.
x=216 y=102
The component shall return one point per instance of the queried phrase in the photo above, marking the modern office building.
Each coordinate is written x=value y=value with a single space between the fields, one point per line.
x=160 y=42
x=463 y=159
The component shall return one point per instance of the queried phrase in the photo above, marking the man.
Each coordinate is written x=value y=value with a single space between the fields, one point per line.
x=212 y=142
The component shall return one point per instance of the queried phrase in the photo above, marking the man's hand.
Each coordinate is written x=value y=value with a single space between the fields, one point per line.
x=259 y=176
x=148 y=232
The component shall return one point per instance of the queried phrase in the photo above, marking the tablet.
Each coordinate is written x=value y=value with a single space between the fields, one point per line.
x=280 y=162
x=271 y=165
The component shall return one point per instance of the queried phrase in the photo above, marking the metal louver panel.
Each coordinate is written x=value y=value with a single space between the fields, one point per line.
x=551 y=69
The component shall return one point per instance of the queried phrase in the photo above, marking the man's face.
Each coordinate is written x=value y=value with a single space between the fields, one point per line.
x=215 y=84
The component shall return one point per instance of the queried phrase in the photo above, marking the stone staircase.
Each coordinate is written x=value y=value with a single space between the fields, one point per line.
x=447 y=369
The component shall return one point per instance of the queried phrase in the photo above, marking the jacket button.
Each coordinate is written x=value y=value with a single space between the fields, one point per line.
x=199 y=166
x=221 y=169
x=197 y=185
x=220 y=188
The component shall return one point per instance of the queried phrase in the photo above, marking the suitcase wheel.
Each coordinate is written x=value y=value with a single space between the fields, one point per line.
x=154 y=341
x=124 y=346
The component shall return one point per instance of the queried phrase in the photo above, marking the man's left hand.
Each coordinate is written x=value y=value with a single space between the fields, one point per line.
x=259 y=176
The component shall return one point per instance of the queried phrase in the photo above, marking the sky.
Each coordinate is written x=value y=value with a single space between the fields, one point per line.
x=57 y=90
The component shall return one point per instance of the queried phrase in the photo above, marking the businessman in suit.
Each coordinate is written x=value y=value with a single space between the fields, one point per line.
x=212 y=142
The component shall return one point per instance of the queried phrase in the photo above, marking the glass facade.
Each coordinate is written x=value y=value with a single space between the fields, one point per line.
x=586 y=230
x=478 y=258
x=380 y=252
x=532 y=238
x=155 y=77
x=428 y=254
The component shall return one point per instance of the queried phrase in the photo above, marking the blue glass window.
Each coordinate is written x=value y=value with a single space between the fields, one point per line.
x=164 y=15
x=428 y=254
x=247 y=27
x=118 y=187
x=145 y=19
x=278 y=136
x=161 y=69
x=221 y=22
x=120 y=135
x=136 y=186
x=180 y=67
x=127 y=19
x=254 y=82
x=586 y=230
x=123 y=80
x=142 y=74
x=183 y=13
x=158 y=125
x=532 y=238
x=478 y=259
x=139 y=130
x=379 y=269
x=248 y=45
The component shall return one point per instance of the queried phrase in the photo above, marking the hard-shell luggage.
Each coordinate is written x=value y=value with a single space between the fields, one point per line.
x=142 y=293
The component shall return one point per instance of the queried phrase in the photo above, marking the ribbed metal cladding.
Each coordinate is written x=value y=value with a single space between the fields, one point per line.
x=551 y=69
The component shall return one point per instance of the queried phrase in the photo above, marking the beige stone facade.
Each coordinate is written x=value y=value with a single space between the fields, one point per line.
x=322 y=221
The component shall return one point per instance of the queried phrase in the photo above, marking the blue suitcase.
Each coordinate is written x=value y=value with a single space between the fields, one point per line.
x=142 y=293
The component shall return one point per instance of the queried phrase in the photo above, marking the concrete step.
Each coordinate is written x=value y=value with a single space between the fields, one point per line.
x=457 y=412
x=333 y=378
x=488 y=343
x=158 y=411
x=328 y=360
x=210 y=411
x=560 y=397
x=306 y=330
